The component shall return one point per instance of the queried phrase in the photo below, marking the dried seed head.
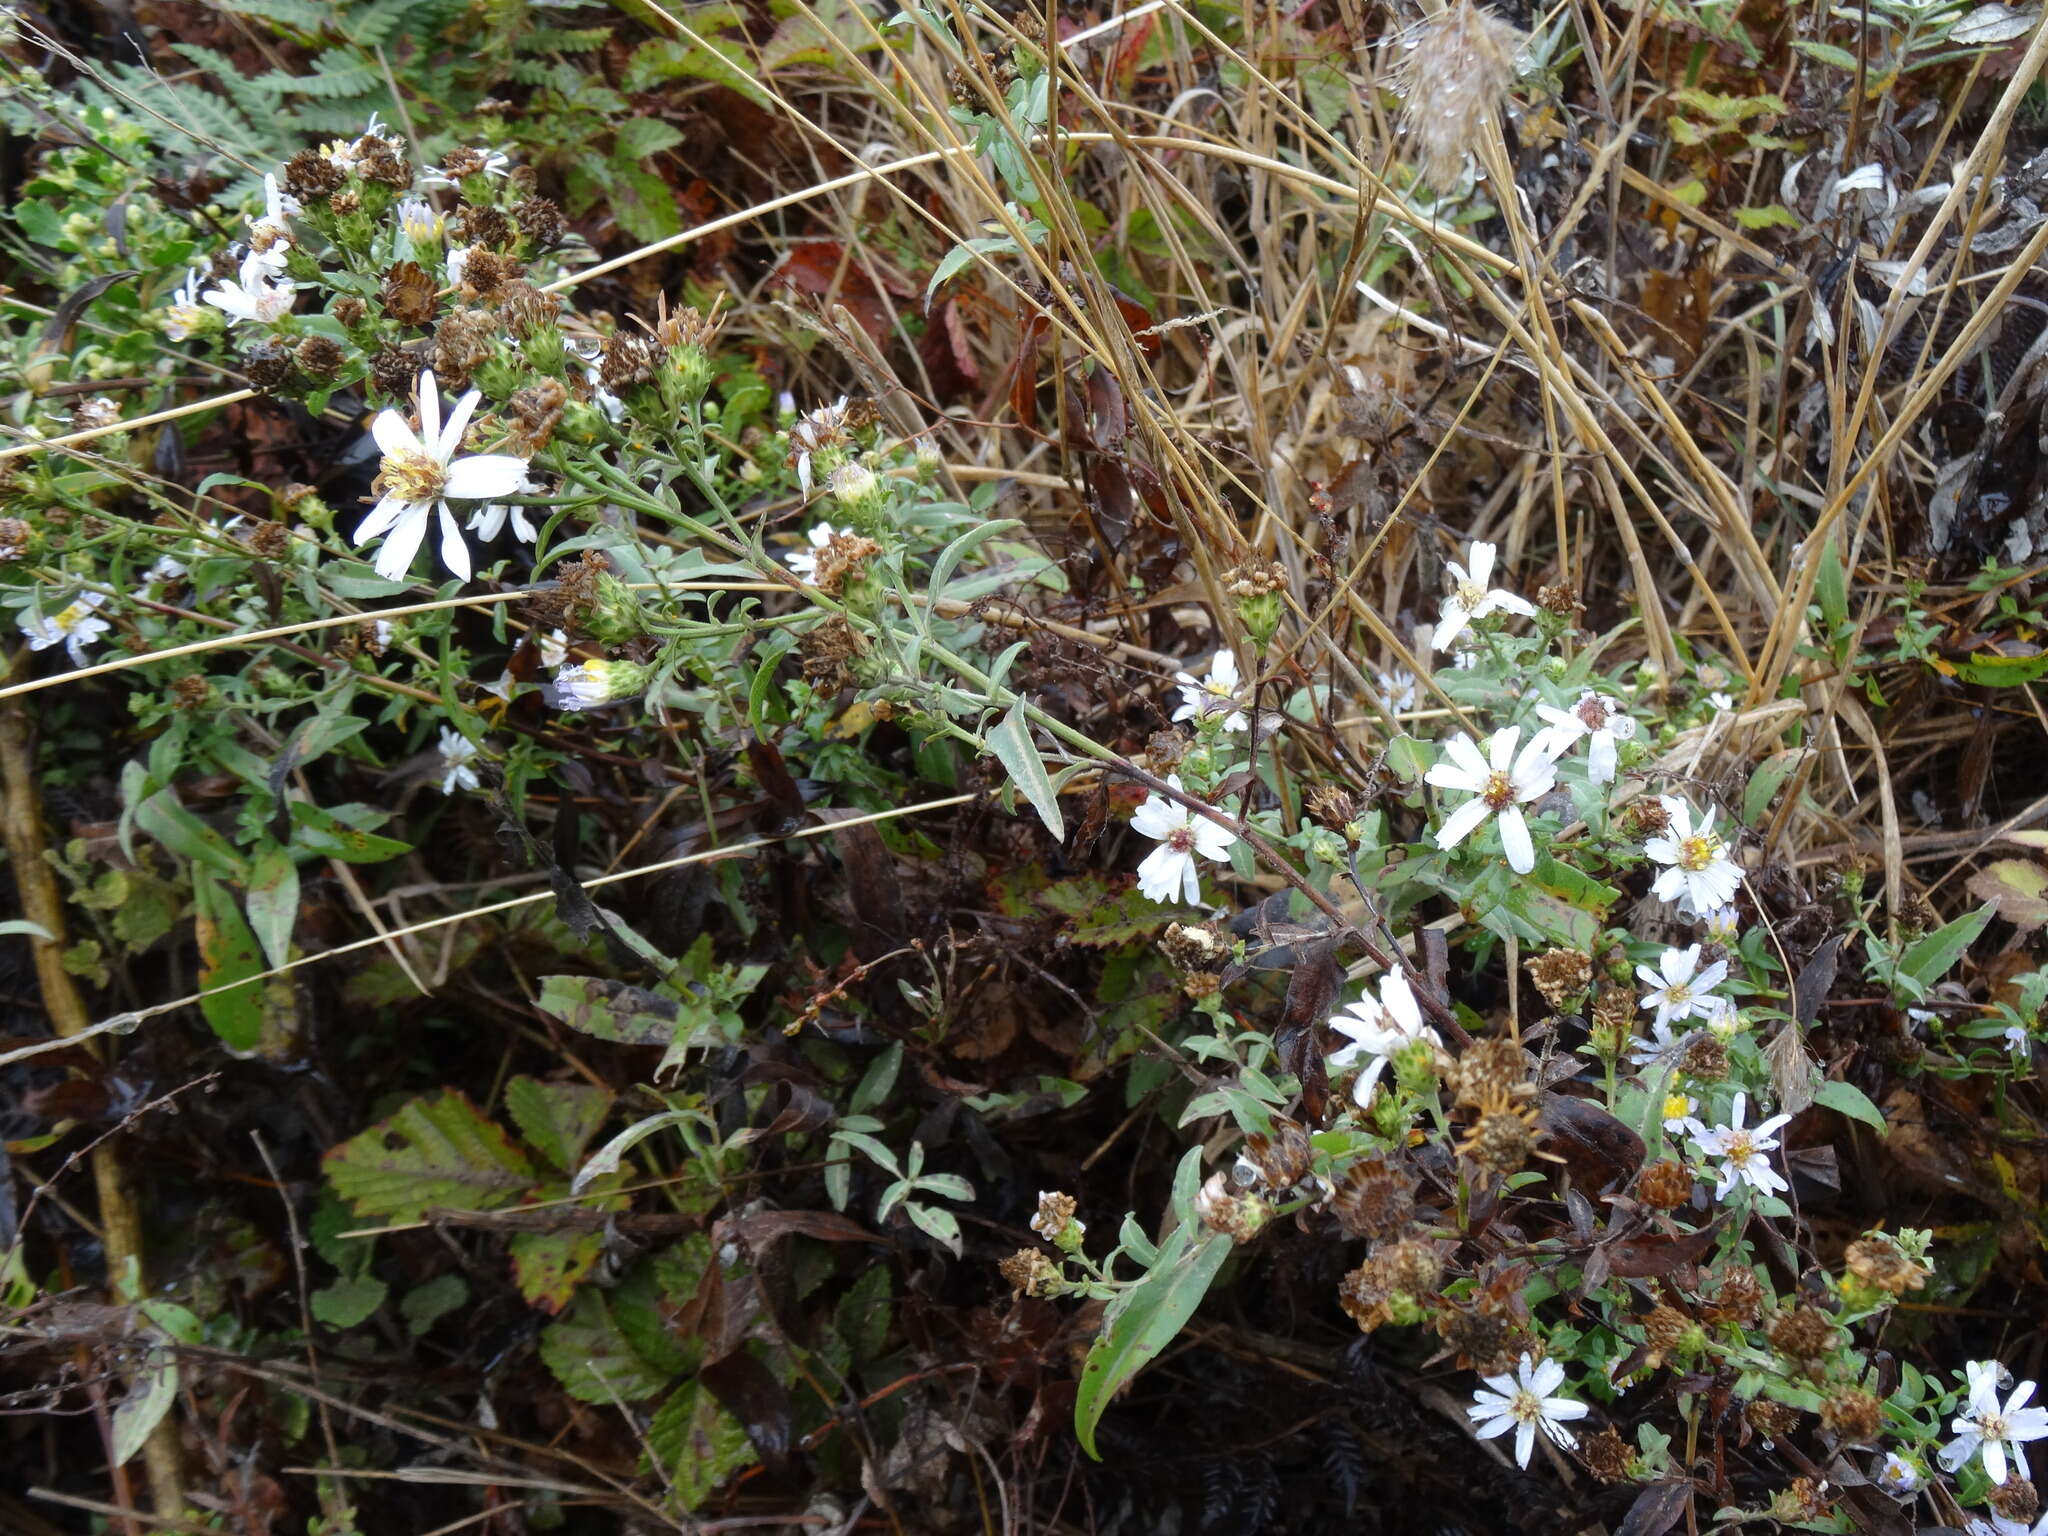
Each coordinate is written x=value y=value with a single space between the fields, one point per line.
x=533 y=413
x=1027 y=1270
x=1852 y=1415
x=393 y=370
x=1452 y=71
x=1803 y=1334
x=1770 y=1418
x=1482 y=1343
x=1192 y=947
x=1332 y=807
x=1375 y=1198
x=310 y=175
x=526 y=308
x=92 y=412
x=1411 y=1267
x=190 y=692
x=485 y=272
x=1615 y=1009
x=2015 y=1499
x=15 y=534
x=1561 y=599
x=268 y=365
x=1164 y=751
x=350 y=310
x=482 y=225
x=540 y=221
x=1366 y=1300
x=1664 y=1186
x=630 y=358
x=379 y=160
x=1665 y=1330
x=1645 y=818
x=408 y=294
x=463 y=160
x=1055 y=1210
x=1197 y=985
x=1561 y=975
x=463 y=343
x=1282 y=1158
x=1704 y=1059
x=843 y=558
x=1876 y=1260
x=268 y=539
x=1502 y=1139
x=1240 y=1217
x=570 y=602
x=1606 y=1455
x=1255 y=578
x=825 y=649
x=1805 y=1500
x=321 y=357
x=1492 y=1072
x=1739 y=1299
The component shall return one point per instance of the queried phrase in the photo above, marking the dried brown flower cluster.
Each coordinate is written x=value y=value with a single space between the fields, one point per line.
x=1562 y=976
x=1375 y=1198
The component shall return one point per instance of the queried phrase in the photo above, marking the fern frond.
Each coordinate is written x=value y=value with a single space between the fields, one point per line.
x=310 y=17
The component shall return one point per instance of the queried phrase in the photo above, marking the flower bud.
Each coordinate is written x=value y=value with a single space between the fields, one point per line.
x=593 y=684
x=861 y=495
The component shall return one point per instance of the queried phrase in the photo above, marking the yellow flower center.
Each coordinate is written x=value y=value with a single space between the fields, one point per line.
x=1739 y=1147
x=71 y=617
x=1676 y=1106
x=413 y=475
x=1470 y=595
x=1527 y=1407
x=1499 y=792
x=1698 y=851
x=1678 y=994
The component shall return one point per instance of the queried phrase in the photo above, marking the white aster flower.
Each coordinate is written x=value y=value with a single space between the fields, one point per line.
x=1998 y=1525
x=1900 y=1476
x=74 y=626
x=1472 y=599
x=1722 y=1018
x=1661 y=1042
x=1377 y=1030
x=1723 y=925
x=1169 y=871
x=165 y=571
x=1701 y=876
x=422 y=225
x=1601 y=721
x=1994 y=1429
x=1679 y=1109
x=1681 y=990
x=804 y=562
x=186 y=314
x=1722 y=702
x=591 y=684
x=257 y=295
x=1400 y=688
x=491 y=162
x=488 y=521
x=1526 y=1402
x=270 y=233
x=1214 y=695
x=1742 y=1151
x=456 y=752
x=1501 y=786
x=817 y=432
x=421 y=471
x=554 y=647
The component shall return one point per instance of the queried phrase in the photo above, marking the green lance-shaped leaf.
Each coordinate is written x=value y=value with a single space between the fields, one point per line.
x=1154 y=1311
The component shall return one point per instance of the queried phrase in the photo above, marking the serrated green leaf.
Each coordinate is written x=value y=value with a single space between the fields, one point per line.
x=425 y=1305
x=349 y=1301
x=557 y=1119
x=611 y=1010
x=439 y=1151
x=698 y=1443
x=593 y=1360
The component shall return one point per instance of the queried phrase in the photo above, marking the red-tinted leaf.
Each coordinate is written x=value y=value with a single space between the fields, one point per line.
x=824 y=270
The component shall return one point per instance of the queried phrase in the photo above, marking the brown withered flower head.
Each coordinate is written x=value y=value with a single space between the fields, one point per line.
x=1375 y=1198
x=540 y=221
x=268 y=365
x=1332 y=807
x=1503 y=1138
x=485 y=273
x=1645 y=817
x=190 y=692
x=15 y=535
x=1221 y=1209
x=1561 y=975
x=1852 y=1415
x=350 y=311
x=320 y=357
x=1606 y=1455
x=1738 y=1299
x=1771 y=1418
x=1805 y=1333
x=532 y=414
x=1664 y=1185
x=1562 y=599
x=2015 y=1499
x=393 y=371
x=526 y=309
x=408 y=293
x=463 y=342
x=481 y=224
x=1704 y=1058
x=1481 y=1341
x=825 y=650
x=310 y=175
x=843 y=558
x=1164 y=751
x=1255 y=578
x=1806 y=1500
x=1452 y=70
x=378 y=159
x=1194 y=947
x=1876 y=1260
x=1027 y=1271
x=1492 y=1071
x=1283 y=1158
x=630 y=358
